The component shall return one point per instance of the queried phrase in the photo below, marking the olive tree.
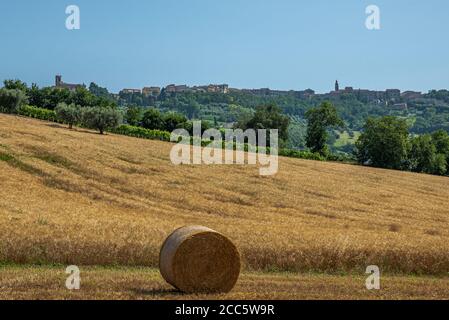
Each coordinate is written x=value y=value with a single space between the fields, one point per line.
x=11 y=100
x=69 y=114
x=102 y=119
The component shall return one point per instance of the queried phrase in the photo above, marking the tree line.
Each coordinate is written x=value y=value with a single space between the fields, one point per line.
x=385 y=142
x=91 y=108
x=78 y=107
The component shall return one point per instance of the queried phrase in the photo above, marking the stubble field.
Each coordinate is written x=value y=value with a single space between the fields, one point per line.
x=76 y=197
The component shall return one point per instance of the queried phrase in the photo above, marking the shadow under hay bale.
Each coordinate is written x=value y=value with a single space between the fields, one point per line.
x=197 y=259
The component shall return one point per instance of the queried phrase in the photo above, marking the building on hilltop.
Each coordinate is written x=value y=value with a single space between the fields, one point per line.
x=393 y=94
x=410 y=95
x=176 y=89
x=368 y=96
x=218 y=88
x=151 y=91
x=305 y=94
x=211 y=88
x=146 y=91
x=60 y=84
x=130 y=91
x=260 y=92
x=172 y=88
x=269 y=92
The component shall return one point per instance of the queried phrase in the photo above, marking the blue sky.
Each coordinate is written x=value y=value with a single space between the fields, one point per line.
x=281 y=44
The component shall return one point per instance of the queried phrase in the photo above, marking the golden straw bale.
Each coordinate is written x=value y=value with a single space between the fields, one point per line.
x=196 y=259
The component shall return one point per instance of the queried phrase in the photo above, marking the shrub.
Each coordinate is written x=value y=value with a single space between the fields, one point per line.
x=11 y=100
x=101 y=119
x=15 y=84
x=153 y=119
x=140 y=132
x=301 y=154
x=173 y=121
x=341 y=157
x=37 y=113
x=133 y=115
x=69 y=114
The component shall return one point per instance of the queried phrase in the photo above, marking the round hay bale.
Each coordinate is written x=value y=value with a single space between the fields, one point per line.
x=197 y=259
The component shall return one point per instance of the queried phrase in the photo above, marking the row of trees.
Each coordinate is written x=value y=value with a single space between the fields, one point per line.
x=81 y=107
x=265 y=117
x=50 y=97
x=387 y=143
x=154 y=119
x=103 y=116
x=98 y=118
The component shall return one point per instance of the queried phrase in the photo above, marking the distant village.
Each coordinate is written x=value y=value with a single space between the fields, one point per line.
x=172 y=88
x=393 y=97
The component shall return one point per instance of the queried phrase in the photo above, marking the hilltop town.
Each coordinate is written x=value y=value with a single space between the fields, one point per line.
x=388 y=97
x=372 y=96
x=219 y=106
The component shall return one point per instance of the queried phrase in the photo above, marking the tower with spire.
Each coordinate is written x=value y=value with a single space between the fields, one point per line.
x=337 y=86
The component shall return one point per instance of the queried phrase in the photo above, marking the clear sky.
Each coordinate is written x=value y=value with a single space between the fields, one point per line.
x=281 y=44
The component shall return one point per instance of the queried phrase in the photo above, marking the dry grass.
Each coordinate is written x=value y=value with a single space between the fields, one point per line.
x=78 y=197
x=99 y=283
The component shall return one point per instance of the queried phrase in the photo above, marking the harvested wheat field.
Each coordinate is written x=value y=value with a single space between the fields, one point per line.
x=77 y=197
x=136 y=283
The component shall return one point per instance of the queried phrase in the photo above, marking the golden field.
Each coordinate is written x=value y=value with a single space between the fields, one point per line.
x=137 y=283
x=77 y=197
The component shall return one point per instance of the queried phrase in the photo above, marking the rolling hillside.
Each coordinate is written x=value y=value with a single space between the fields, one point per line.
x=76 y=197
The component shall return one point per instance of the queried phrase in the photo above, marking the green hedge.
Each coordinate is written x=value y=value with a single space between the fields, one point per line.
x=140 y=132
x=37 y=113
x=301 y=154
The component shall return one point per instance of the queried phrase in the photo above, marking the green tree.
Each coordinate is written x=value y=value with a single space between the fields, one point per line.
x=384 y=143
x=268 y=117
x=15 y=85
x=133 y=115
x=430 y=153
x=11 y=100
x=422 y=154
x=48 y=98
x=320 y=119
x=101 y=118
x=82 y=97
x=152 y=119
x=440 y=164
x=69 y=114
x=35 y=96
x=174 y=121
x=98 y=91
x=440 y=139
